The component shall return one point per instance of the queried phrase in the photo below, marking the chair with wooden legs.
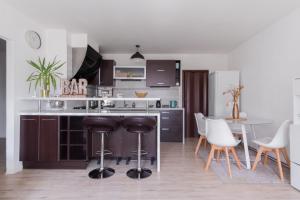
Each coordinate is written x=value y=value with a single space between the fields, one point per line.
x=276 y=145
x=221 y=139
x=201 y=128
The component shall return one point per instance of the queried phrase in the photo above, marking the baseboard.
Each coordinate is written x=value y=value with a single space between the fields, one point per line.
x=270 y=157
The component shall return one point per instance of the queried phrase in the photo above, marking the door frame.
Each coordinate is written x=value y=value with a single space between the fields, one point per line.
x=183 y=94
x=12 y=162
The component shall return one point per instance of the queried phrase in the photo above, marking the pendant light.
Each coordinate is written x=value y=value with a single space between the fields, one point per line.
x=137 y=56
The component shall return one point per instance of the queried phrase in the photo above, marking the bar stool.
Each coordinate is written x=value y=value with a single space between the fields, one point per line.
x=102 y=125
x=139 y=125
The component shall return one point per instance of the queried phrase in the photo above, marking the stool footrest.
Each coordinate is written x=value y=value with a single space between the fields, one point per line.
x=106 y=152
x=143 y=152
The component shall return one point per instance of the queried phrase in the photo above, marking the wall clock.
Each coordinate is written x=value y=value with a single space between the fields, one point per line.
x=33 y=39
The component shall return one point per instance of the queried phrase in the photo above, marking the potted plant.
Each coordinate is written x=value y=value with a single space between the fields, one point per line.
x=45 y=75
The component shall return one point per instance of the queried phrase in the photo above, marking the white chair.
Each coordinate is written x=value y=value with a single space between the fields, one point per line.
x=201 y=128
x=221 y=138
x=277 y=144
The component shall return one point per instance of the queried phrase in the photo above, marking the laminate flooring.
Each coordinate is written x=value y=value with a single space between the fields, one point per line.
x=182 y=177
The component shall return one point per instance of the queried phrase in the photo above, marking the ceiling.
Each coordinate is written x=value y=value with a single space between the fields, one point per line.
x=160 y=26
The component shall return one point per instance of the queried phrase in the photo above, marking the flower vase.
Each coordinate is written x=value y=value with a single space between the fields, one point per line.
x=235 y=110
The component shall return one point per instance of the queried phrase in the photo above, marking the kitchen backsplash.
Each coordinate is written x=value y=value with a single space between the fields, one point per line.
x=128 y=88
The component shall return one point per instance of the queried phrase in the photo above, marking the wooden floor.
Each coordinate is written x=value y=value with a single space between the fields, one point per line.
x=182 y=177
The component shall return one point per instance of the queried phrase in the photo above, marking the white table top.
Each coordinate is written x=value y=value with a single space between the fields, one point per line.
x=248 y=121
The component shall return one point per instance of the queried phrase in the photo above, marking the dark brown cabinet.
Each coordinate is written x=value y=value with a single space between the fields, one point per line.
x=106 y=74
x=38 y=140
x=171 y=125
x=160 y=73
x=29 y=133
x=49 y=142
x=48 y=138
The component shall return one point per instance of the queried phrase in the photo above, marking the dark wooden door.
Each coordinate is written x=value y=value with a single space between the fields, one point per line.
x=161 y=73
x=195 y=97
x=29 y=130
x=48 y=138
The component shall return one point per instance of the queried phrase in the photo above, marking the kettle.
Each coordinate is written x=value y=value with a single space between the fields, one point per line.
x=173 y=104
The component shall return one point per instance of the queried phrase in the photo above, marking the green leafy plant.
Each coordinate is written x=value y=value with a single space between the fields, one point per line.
x=45 y=75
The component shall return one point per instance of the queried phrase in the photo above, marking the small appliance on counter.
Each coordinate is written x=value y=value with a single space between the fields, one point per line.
x=173 y=104
x=158 y=104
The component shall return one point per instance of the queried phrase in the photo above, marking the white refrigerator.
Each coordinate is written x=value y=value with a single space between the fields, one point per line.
x=295 y=138
x=219 y=82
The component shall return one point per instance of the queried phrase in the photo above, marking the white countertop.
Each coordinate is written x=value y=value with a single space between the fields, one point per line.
x=90 y=113
x=87 y=99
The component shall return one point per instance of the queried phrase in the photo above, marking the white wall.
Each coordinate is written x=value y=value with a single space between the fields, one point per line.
x=268 y=63
x=2 y=88
x=188 y=61
x=13 y=27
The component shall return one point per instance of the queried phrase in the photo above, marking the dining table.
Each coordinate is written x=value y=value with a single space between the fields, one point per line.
x=242 y=124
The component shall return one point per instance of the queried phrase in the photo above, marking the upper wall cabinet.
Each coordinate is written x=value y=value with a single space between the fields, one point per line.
x=129 y=72
x=106 y=73
x=163 y=73
x=104 y=77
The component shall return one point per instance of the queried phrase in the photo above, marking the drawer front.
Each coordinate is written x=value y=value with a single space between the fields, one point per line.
x=171 y=134
x=171 y=125
x=171 y=117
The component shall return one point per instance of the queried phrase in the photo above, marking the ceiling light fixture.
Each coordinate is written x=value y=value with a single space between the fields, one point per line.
x=137 y=56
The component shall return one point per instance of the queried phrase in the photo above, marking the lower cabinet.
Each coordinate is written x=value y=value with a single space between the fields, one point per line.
x=48 y=139
x=171 y=125
x=60 y=142
x=46 y=144
x=29 y=134
x=73 y=139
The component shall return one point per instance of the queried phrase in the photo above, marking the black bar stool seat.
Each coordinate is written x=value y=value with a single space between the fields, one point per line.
x=102 y=125
x=139 y=125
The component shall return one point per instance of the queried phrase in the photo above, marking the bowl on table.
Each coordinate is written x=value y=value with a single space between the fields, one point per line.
x=141 y=94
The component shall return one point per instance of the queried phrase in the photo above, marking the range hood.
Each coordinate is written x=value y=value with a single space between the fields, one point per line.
x=85 y=63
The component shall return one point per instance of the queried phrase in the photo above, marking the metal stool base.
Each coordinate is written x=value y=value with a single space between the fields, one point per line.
x=105 y=173
x=136 y=174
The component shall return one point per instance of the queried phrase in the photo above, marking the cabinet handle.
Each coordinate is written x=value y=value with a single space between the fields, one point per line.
x=160 y=70
x=165 y=118
x=48 y=119
x=165 y=129
x=160 y=83
x=28 y=119
x=165 y=112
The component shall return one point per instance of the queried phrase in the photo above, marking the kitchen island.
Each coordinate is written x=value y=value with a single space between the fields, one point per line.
x=57 y=139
